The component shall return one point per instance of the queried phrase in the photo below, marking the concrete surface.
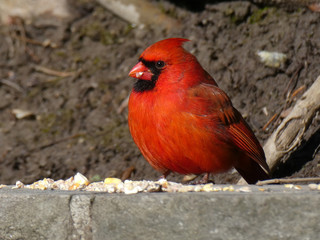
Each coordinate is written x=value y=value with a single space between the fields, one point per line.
x=276 y=213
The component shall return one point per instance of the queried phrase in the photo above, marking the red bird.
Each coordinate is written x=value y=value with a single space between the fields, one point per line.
x=183 y=122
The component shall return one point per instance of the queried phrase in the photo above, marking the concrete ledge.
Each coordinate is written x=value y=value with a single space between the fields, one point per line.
x=276 y=213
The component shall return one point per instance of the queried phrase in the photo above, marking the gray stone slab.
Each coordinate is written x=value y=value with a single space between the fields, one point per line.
x=277 y=213
x=34 y=215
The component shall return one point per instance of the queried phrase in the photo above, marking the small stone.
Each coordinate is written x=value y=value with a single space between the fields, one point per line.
x=20 y=113
x=272 y=59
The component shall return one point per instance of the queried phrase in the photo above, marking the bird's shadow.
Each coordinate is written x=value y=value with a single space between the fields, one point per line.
x=305 y=153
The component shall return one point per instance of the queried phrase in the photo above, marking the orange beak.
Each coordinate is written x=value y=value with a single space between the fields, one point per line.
x=140 y=71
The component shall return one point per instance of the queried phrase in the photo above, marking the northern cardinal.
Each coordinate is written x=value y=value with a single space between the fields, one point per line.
x=183 y=122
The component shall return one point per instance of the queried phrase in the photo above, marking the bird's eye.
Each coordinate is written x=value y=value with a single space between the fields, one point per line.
x=160 y=64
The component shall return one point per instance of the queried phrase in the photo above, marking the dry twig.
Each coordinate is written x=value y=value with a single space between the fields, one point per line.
x=289 y=95
x=287 y=3
x=296 y=92
x=57 y=142
x=45 y=43
x=12 y=84
x=265 y=127
x=53 y=72
x=285 y=180
x=292 y=83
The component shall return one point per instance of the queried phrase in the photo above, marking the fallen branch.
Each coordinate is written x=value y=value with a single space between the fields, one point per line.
x=288 y=136
x=290 y=180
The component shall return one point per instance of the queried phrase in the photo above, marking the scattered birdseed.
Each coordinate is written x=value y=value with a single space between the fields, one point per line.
x=292 y=186
x=208 y=188
x=314 y=186
x=230 y=189
x=18 y=185
x=244 y=189
x=116 y=185
x=114 y=181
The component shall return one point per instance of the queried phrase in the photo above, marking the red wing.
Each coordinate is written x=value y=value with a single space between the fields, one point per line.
x=244 y=138
x=209 y=101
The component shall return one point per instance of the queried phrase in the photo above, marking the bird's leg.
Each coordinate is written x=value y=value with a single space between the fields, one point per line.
x=204 y=180
x=165 y=174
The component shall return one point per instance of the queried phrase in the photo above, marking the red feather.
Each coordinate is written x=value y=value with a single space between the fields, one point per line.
x=183 y=122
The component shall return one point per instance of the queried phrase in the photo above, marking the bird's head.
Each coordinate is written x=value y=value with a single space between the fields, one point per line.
x=164 y=58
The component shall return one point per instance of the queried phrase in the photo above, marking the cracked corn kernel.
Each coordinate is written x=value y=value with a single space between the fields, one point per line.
x=230 y=189
x=114 y=181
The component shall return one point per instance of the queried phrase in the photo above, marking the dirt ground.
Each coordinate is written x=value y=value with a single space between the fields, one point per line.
x=75 y=117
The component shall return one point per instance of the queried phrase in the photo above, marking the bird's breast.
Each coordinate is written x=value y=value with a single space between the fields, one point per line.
x=146 y=123
x=171 y=138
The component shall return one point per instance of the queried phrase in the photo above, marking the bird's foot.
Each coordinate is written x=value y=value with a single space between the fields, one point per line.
x=204 y=180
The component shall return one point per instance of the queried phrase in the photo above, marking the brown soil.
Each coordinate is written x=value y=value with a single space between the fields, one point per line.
x=77 y=124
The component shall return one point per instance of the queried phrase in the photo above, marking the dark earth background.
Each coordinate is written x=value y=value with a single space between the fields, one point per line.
x=78 y=118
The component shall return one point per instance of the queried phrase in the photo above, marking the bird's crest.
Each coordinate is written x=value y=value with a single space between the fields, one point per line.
x=163 y=48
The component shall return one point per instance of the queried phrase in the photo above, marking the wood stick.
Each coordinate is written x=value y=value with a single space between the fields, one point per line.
x=287 y=3
x=289 y=134
x=287 y=180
